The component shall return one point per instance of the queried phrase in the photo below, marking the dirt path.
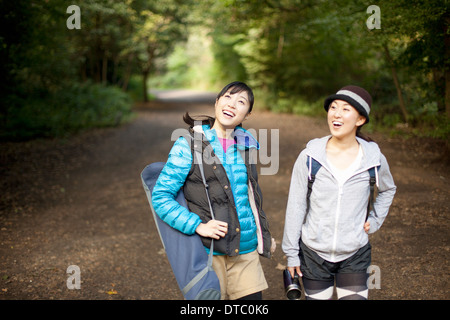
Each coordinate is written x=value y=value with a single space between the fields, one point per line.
x=80 y=202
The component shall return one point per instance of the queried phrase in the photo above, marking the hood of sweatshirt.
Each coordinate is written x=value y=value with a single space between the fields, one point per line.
x=316 y=149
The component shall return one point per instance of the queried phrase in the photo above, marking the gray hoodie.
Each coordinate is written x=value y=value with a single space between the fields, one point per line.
x=333 y=227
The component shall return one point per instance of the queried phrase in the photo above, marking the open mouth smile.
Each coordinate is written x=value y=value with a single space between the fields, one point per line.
x=228 y=114
x=337 y=124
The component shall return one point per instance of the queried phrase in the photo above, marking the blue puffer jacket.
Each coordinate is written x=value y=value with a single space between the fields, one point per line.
x=177 y=169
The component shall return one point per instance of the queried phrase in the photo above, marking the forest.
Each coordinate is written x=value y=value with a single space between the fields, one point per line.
x=71 y=65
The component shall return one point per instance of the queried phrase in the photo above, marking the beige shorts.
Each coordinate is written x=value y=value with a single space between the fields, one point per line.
x=239 y=276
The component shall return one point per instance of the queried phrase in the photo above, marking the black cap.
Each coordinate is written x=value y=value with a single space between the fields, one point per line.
x=358 y=97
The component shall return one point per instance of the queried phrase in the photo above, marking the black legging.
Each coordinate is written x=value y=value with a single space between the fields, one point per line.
x=349 y=286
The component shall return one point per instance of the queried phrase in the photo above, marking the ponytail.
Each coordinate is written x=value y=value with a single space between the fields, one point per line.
x=203 y=119
x=363 y=136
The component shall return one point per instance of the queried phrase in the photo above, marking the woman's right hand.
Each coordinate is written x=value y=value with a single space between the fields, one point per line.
x=212 y=229
x=293 y=269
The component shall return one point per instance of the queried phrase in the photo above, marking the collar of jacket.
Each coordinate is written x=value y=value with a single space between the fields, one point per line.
x=244 y=139
x=316 y=149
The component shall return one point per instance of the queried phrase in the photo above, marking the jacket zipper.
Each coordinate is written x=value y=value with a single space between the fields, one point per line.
x=338 y=211
x=336 y=222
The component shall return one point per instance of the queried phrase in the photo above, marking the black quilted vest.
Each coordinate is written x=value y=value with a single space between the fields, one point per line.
x=222 y=200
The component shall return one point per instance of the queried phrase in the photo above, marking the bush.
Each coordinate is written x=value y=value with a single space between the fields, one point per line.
x=292 y=104
x=67 y=110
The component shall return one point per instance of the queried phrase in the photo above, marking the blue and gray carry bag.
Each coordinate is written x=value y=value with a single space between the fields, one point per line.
x=190 y=263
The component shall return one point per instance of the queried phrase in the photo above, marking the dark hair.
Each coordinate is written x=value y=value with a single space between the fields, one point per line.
x=362 y=135
x=235 y=87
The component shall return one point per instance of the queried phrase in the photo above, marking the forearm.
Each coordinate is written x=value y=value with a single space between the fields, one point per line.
x=295 y=213
x=386 y=192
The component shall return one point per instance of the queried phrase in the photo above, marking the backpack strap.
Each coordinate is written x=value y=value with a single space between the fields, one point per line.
x=372 y=181
x=313 y=166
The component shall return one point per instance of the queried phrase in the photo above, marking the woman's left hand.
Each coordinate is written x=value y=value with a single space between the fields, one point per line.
x=367 y=227
x=213 y=229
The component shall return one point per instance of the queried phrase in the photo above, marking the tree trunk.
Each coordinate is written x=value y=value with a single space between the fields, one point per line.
x=396 y=82
x=147 y=66
x=439 y=85
x=115 y=65
x=144 y=84
x=280 y=41
x=97 y=52
x=447 y=93
x=127 y=73
x=105 y=68
x=447 y=65
x=83 y=71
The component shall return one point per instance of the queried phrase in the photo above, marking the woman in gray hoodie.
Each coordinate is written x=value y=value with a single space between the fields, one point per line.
x=327 y=239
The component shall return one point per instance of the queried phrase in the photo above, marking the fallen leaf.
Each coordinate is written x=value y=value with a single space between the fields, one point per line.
x=280 y=266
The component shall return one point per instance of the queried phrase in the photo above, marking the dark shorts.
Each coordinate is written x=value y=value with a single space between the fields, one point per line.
x=314 y=267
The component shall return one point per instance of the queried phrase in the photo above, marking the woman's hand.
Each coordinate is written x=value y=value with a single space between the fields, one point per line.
x=293 y=269
x=367 y=227
x=212 y=229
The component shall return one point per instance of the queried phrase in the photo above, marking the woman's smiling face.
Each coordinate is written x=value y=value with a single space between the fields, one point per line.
x=343 y=119
x=231 y=109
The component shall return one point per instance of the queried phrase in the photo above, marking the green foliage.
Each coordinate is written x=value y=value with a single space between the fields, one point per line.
x=72 y=108
x=57 y=81
x=292 y=52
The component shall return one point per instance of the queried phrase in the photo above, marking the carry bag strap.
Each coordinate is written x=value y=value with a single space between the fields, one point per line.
x=198 y=155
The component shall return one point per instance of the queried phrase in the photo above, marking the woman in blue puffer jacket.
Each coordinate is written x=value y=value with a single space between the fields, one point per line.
x=239 y=228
